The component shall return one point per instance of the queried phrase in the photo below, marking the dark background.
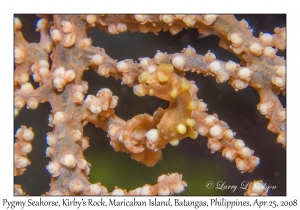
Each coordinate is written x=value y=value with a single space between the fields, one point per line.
x=191 y=158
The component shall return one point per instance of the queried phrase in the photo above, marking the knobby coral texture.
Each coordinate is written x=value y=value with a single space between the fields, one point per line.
x=150 y=104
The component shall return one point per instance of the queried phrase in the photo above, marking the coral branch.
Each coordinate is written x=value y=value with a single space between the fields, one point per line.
x=58 y=63
x=23 y=146
x=256 y=188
